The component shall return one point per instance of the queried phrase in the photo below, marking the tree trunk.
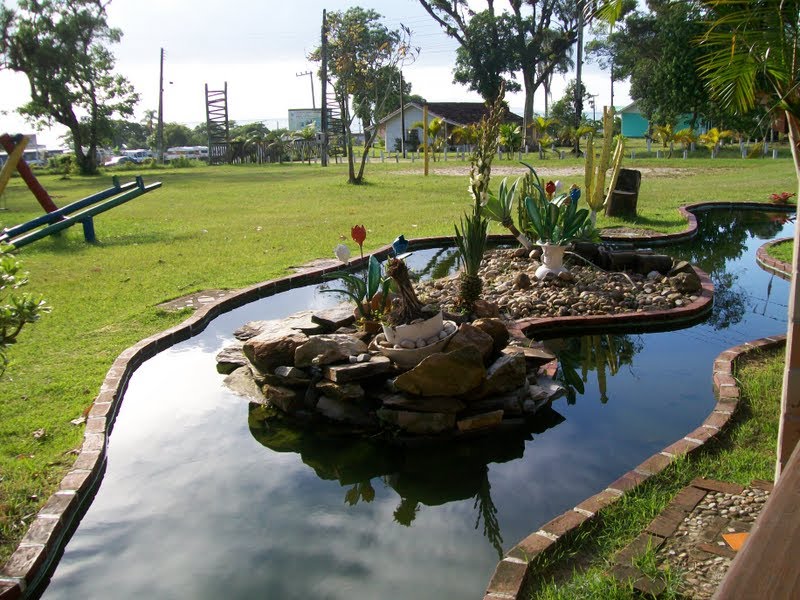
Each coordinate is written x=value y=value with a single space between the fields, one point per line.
x=789 y=426
x=529 y=80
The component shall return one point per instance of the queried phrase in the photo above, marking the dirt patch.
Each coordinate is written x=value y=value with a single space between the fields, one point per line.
x=544 y=171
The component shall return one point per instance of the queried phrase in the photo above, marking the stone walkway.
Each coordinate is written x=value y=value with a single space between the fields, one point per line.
x=696 y=536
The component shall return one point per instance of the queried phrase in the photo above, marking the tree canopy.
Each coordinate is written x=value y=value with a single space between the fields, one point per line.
x=534 y=37
x=363 y=60
x=60 y=45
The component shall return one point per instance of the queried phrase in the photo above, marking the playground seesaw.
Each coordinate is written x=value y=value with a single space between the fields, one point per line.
x=57 y=219
x=82 y=211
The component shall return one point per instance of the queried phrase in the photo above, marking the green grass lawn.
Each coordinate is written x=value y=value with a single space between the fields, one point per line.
x=227 y=227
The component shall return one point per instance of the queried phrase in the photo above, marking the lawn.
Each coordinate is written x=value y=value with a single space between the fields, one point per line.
x=227 y=227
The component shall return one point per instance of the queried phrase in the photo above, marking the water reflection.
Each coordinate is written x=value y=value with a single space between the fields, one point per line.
x=429 y=473
x=601 y=354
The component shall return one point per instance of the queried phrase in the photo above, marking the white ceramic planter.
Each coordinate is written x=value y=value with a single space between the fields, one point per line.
x=415 y=331
x=552 y=260
x=410 y=358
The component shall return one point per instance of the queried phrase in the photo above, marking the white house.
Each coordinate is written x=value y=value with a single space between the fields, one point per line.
x=454 y=114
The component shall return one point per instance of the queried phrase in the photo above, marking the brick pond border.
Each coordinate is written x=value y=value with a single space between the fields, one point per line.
x=37 y=554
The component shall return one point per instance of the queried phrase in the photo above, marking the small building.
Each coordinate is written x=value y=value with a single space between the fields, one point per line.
x=635 y=125
x=454 y=114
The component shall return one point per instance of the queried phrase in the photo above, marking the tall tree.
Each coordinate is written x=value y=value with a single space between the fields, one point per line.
x=360 y=50
x=534 y=38
x=753 y=47
x=656 y=49
x=61 y=46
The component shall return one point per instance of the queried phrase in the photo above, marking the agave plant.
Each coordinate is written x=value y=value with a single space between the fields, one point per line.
x=500 y=208
x=362 y=291
x=557 y=221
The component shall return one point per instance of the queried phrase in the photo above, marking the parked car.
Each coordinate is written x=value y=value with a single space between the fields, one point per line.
x=119 y=160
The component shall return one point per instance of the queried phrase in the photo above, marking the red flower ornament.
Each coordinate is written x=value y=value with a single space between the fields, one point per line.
x=359 y=234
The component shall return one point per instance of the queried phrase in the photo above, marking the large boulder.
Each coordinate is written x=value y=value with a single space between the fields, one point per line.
x=328 y=349
x=273 y=348
x=469 y=335
x=506 y=374
x=231 y=358
x=445 y=374
x=289 y=400
x=496 y=329
x=241 y=382
x=340 y=391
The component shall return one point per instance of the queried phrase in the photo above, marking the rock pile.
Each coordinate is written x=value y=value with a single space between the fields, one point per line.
x=510 y=284
x=316 y=367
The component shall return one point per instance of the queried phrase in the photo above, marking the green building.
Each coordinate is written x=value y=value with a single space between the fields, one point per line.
x=635 y=125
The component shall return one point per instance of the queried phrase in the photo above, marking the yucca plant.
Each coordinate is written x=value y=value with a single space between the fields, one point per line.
x=471 y=243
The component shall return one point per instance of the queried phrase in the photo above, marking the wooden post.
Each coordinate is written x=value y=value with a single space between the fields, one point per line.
x=425 y=134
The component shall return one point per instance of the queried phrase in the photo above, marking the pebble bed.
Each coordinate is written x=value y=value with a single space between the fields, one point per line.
x=509 y=282
x=719 y=513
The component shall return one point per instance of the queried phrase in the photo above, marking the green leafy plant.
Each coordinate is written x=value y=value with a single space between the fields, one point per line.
x=500 y=208
x=362 y=291
x=557 y=221
x=471 y=244
x=16 y=310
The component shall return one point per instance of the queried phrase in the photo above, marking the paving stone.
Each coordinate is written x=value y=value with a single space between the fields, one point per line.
x=667 y=522
x=717 y=486
x=762 y=484
x=725 y=550
x=638 y=547
x=688 y=498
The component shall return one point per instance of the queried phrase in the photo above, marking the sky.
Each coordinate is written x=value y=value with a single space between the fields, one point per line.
x=258 y=47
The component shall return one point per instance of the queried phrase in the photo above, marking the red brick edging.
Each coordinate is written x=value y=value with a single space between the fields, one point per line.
x=34 y=557
x=512 y=571
x=773 y=265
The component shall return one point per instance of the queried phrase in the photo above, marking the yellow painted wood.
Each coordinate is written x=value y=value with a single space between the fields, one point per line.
x=11 y=163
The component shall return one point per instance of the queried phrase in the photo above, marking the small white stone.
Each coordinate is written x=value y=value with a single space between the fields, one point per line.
x=363 y=357
x=420 y=343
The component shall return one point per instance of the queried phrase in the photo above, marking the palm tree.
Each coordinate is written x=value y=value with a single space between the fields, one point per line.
x=753 y=46
x=540 y=126
x=510 y=137
x=149 y=117
x=437 y=132
x=712 y=139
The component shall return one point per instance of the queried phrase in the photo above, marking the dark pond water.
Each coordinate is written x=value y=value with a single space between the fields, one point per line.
x=200 y=500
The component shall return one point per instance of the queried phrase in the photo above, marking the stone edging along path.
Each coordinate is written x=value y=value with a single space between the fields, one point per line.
x=36 y=556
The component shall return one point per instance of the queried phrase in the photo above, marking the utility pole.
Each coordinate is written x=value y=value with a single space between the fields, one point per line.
x=311 y=77
x=160 y=130
x=324 y=83
x=578 y=82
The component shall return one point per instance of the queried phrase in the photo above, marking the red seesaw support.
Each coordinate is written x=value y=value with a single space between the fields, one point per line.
x=27 y=175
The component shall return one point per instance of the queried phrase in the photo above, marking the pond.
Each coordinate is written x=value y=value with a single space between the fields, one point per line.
x=201 y=500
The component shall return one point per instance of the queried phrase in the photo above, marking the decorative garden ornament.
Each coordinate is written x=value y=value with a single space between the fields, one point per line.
x=399 y=245
x=552 y=260
x=359 y=234
x=342 y=252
